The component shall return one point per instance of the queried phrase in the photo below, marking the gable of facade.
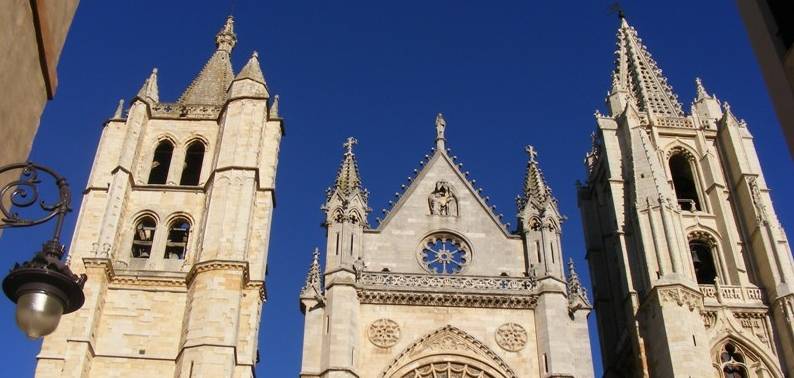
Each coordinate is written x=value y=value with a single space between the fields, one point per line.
x=441 y=285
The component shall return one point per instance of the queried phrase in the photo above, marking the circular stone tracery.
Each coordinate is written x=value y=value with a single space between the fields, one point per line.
x=384 y=333
x=444 y=253
x=511 y=337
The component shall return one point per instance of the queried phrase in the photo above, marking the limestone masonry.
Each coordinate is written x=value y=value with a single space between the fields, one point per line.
x=692 y=273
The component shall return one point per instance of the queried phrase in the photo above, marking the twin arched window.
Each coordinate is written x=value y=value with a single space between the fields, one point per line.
x=143 y=241
x=191 y=169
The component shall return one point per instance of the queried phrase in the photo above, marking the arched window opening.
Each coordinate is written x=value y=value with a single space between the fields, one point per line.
x=194 y=158
x=161 y=162
x=684 y=182
x=703 y=260
x=178 y=234
x=144 y=235
x=732 y=362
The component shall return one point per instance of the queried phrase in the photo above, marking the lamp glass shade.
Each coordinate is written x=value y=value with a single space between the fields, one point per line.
x=38 y=313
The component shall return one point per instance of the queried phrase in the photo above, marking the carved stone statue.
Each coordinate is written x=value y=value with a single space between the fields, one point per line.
x=441 y=124
x=442 y=200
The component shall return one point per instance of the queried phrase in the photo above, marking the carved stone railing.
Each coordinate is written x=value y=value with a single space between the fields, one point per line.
x=421 y=282
x=673 y=122
x=185 y=111
x=733 y=294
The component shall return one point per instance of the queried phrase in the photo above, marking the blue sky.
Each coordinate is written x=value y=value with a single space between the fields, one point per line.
x=505 y=74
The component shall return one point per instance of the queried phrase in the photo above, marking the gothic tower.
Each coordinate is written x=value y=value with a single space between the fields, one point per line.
x=692 y=272
x=441 y=286
x=173 y=232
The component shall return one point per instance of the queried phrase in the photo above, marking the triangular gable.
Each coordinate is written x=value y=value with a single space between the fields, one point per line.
x=463 y=184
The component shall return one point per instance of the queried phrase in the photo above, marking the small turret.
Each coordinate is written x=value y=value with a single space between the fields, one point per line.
x=250 y=82
x=577 y=294
x=312 y=289
x=540 y=221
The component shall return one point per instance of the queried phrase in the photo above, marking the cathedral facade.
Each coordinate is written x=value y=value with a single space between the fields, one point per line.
x=692 y=272
x=441 y=287
x=173 y=232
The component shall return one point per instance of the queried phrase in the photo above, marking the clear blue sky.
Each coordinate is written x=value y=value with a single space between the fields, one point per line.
x=504 y=74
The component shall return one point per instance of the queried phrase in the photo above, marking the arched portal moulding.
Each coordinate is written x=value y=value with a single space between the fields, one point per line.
x=448 y=345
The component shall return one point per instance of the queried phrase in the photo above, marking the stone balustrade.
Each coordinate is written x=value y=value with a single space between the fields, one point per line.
x=733 y=294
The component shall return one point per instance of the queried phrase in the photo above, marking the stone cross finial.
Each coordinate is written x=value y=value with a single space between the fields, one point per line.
x=532 y=153
x=349 y=145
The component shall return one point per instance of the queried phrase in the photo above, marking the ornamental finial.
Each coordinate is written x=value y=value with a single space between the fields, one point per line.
x=226 y=39
x=533 y=154
x=349 y=145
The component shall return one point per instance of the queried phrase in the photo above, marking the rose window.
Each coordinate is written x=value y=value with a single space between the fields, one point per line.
x=444 y=254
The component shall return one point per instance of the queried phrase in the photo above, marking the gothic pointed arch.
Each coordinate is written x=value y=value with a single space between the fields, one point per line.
x=448 y=349
x=703 y=247
x=161 y=161
x=682 y=163
x=734 y=355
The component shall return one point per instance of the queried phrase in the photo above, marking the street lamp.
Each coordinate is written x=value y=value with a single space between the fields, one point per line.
x=43 y=288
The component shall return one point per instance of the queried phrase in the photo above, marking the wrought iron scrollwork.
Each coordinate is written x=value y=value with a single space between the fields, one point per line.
x=24 y=192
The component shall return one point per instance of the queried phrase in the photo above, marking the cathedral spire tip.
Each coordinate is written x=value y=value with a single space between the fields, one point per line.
x=226 y=39
x=638 y=72
x=536 y=190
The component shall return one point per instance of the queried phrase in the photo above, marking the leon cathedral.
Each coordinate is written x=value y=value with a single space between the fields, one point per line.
x=692 y=272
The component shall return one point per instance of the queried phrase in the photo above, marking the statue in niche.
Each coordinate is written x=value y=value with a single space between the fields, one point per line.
x=442 y=200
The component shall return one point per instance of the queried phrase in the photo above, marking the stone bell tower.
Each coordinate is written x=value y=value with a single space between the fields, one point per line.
x=441 y=287
x=173 y=231
x=692 y=272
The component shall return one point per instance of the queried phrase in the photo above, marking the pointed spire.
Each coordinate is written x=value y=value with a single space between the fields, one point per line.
x=348 y=180
x=577 y=294
x=313 y=285
x=700 y=90
x=251 y=70
x=536 y=190
x=149 y=90
x=119 y=110
x=210 y=85
x=640 y=75
x=441 y=125
x=274 y=108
